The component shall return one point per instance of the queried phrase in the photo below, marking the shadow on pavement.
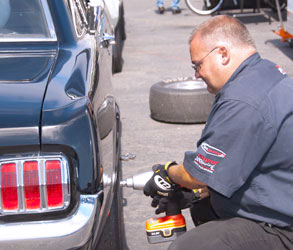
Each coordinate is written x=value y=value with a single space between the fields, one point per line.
x=283 y=47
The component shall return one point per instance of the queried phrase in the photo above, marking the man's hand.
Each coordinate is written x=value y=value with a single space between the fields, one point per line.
x=183 y=197
x=160 y=184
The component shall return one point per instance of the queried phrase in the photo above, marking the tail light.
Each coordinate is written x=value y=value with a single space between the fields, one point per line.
x=32 y=195
x=34 y=185
x=54 y=184
x=9 y=186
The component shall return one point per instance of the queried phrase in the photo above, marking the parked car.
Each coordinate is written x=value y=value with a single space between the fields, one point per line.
x=116 y=12
x=59 y=127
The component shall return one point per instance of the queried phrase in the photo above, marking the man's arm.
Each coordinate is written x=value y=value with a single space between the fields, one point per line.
x=180 y=176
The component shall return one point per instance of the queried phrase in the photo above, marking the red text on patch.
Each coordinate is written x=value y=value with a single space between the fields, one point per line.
x=205 y=163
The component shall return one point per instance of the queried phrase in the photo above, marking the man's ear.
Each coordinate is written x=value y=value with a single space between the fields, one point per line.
x=225 y=55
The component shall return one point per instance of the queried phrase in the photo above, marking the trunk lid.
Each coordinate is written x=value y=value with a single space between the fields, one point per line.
x=23 y=81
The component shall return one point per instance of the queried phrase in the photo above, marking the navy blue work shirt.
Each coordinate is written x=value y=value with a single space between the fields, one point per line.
x=245 y=153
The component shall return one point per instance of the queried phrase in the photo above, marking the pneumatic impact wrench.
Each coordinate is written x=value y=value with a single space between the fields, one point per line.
x=160 y=229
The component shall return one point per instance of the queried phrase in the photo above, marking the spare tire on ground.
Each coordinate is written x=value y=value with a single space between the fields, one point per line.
x=181 y=100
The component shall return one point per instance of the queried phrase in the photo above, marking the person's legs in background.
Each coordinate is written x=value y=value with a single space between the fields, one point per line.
x=160 y=5
x=175 y=7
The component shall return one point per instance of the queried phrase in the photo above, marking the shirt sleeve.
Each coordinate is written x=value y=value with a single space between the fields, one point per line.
x=233 y=144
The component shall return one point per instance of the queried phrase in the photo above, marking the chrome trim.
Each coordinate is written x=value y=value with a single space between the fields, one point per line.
x=68 y=233
x=49 y=20
x=27 y=53
x=41 y=160
x=28 y=39
x=81 y=10
x=42 y=180
x=20 y=190
x=74 y=4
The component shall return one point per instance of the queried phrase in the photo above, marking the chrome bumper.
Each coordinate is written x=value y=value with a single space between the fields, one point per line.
x=68 y=233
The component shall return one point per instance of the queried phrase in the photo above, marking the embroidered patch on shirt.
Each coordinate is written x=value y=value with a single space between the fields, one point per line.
x=205 y=163
x=212 y=150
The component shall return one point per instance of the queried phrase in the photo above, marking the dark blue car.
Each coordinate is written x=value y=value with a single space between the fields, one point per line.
x=59 y=127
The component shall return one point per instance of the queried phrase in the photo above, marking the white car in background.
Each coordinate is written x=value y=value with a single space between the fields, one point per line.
x=116 y=11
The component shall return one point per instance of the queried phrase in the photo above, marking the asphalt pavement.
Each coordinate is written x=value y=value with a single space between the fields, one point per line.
x=157 y=49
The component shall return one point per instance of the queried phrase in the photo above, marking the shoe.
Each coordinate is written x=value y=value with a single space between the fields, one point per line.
x=176 y=10
x=161 y=9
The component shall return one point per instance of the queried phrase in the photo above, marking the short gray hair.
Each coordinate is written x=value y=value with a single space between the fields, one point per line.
x=224 y=28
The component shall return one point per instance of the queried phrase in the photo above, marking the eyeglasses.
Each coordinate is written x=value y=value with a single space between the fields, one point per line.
x=197 y=65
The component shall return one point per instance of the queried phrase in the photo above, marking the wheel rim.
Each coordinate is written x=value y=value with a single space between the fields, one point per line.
x=203 y=7
x=186 y=85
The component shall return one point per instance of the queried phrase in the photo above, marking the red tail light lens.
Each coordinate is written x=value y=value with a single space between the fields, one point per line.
x=54 y=184
x=34 y=185
x=31 y=185
x=9 y=186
